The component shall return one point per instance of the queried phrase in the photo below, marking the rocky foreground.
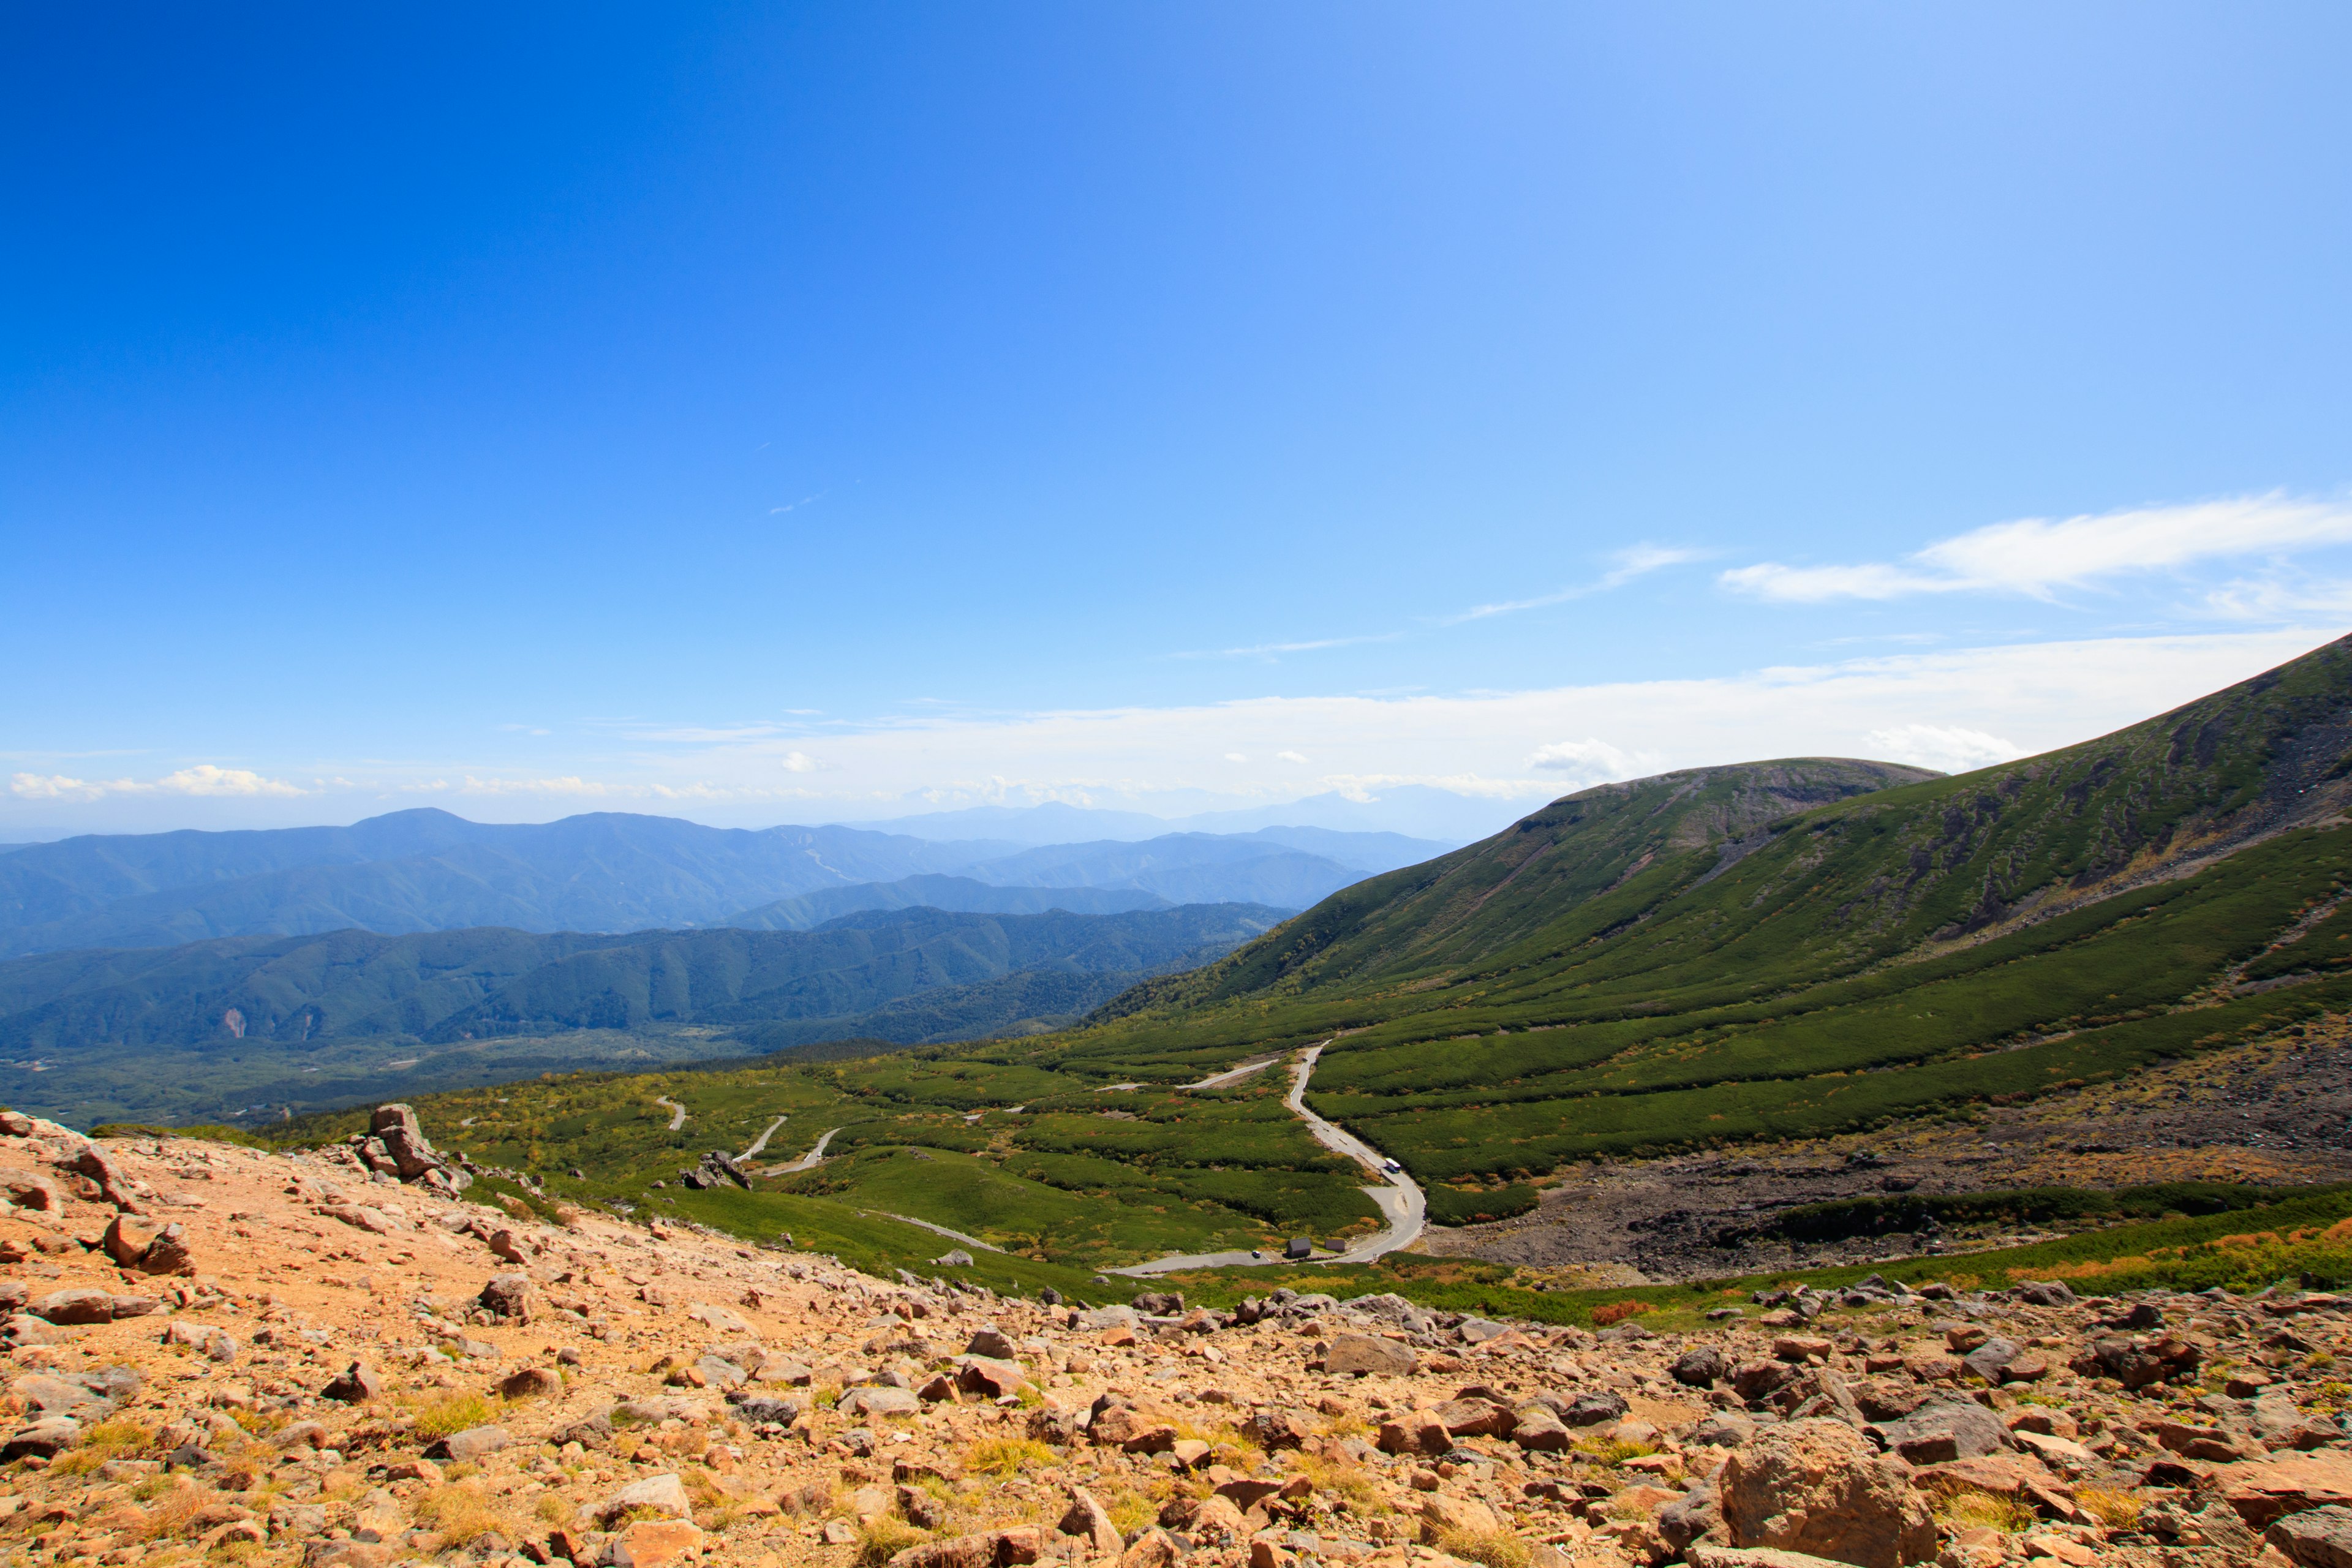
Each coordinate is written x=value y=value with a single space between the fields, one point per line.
x=332 y=1357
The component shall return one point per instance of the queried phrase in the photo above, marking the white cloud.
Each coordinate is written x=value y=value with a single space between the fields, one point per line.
x=568 y=785
x=799 y=762
x=1587 y=762
x=1631 y=562
x=1948 y=748
x=2037 y=557
x=1951 y=708
x=203 y=779
x=53 y=786
x=1237 y=756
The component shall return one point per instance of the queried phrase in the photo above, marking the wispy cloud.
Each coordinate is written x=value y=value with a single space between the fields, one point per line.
x=1276 y=649
x=2038 y=557
x=1633 y=561
x=203 y=779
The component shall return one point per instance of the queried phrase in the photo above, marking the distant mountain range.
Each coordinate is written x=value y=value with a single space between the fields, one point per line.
x=427 y=870
x=210 y=1028
x=1423 y=813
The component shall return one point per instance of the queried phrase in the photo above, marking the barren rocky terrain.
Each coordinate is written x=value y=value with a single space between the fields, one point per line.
x=223 y=1353
x=2279 y=1111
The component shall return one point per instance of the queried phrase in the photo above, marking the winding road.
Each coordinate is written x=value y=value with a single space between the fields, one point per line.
x=936 y=1229
x=761 y=1141
x=677 y=1111
x=806 y=1160
x=1233 y=1075
x=1399 y=1197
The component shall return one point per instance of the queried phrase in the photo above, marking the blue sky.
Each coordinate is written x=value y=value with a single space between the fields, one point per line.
x=768 y=414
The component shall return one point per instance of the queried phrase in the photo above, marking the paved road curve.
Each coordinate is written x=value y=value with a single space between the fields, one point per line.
x=677 y=1111
x=1399 y=1196
x=761 y=1142
x=806 y=1160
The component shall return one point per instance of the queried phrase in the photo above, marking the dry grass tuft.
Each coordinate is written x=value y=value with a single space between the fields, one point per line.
x=1006 y=1455
x=442 y=1415
x=883 y=1537
x=460 y=1512
x=1495 y=1548
x=2114 y=1508
x=1968 y=1508
x=109 y=1439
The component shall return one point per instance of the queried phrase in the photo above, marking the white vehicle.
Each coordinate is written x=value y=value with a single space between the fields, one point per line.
x=1391 y=1166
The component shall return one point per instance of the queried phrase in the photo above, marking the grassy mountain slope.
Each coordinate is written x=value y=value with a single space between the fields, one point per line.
x=1613 y=973
x=1776 y=951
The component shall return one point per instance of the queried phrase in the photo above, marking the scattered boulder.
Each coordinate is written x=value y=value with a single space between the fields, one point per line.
x=2316 y=1538
x=1364 y=1354
x=1817 y=1486
x=1944 y=1429
x=507 y=1297
x=2264 y=1491
x=1087 y=1519
x=1702 y=1367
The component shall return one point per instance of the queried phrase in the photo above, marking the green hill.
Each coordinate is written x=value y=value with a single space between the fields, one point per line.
x=1772 y=950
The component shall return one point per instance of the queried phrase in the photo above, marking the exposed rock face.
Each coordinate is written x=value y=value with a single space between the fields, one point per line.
x=1365 y=1354
x=1819 y=1486
x=2317 y=1538
x=395 y=1145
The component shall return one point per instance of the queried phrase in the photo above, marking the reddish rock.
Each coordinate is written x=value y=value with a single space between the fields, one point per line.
x=1819 y=1486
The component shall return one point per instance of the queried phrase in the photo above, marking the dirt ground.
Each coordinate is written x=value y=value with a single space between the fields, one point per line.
x=2277 y=1112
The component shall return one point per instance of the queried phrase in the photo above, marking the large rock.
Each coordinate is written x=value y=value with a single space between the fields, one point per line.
x=1946 y=1429
x=81 y=1305
x=2137 y=1361
x=2263 y=1490
x=879 y=1401
x=403 y=1136
x=2316 y=1538
x=664 y=1494
x=990 y=1378
x=1818 y=1486
x=357 y=1384
x=471 y=1445
x=1443 y=1515
x=1702 y=1367
x=1475 y=1418
x=1539 y=1431
x=507 y=1297
x=1088 y=1520
x=1364 y=1354
x=113 y=1184
x=656 y=1543
x=32 y=1190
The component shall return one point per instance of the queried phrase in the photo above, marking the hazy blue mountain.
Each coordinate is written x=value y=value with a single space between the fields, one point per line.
x=1438 y=815
x=214 y=1027
x=478 y=983
x=1185 y=868
x=956 y=893
x=428 y=870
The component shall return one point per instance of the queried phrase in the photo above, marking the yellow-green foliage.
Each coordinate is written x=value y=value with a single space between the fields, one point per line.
x=441 y=1415
x=1006 y=1455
